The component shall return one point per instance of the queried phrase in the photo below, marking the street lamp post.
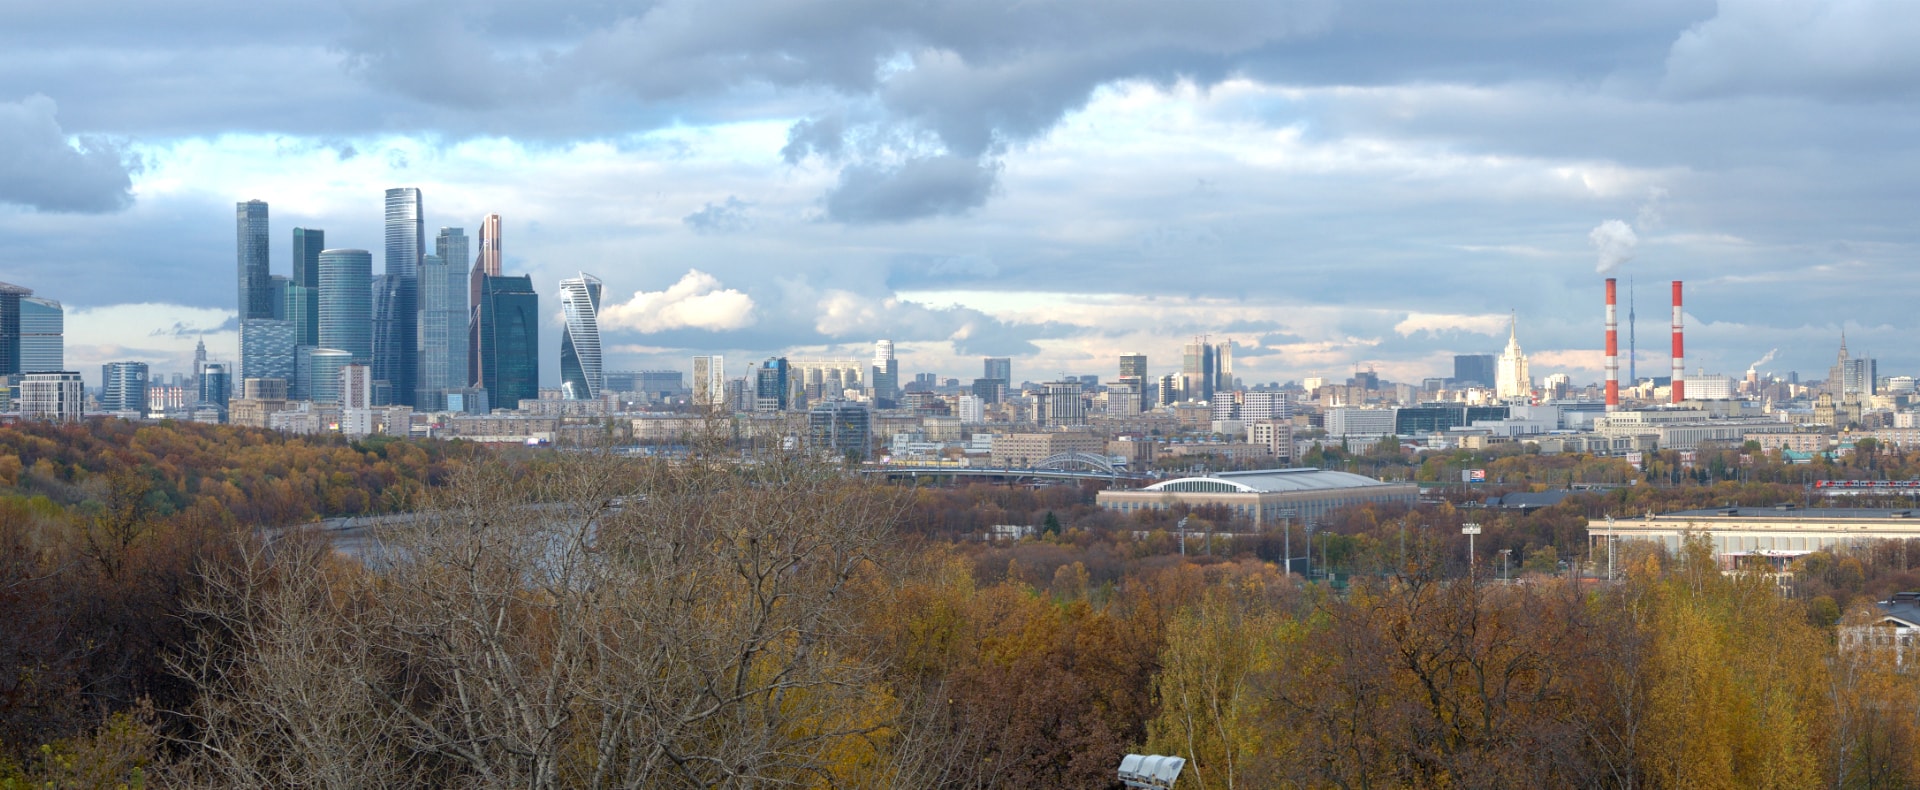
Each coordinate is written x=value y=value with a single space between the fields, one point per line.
x=1470 y=529
x=1503 y=566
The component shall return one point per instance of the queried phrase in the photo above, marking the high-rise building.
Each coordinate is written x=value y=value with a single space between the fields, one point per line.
x=356 y=387
x=1133 y=366
x=1199 y=370
x=840 y=429
x=1512 y=380
x=10 y=297
x=56 y=395
x=1133 y=373
x=42 y=346
x=346 y=302
x=487 y=264
x=123 y=387
x=581 y=374
x=318 y=376
x=214 y=385
x=303 y=292
x=999 y=369
x=770 y=391
x=710 y=383
x=1473 y=370
x=250 y=242
x=970 y=409
x=396 y=352
x=267 y=349
x=886 y=375
x=508 y=352
x=451 y=246
x=443 y=326
x=1859 y=376
x=1060 y=405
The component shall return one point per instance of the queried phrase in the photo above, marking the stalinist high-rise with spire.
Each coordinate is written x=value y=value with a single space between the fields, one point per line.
x=1511 y=379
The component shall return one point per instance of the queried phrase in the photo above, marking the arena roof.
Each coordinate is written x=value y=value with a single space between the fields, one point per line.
x=1267 y=481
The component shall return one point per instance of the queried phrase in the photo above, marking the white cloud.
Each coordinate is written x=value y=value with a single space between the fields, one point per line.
x=697 y=301
x=1443 y=322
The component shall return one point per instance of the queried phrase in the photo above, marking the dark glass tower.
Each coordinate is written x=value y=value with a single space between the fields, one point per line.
x=303 y=295
x=346 y=309
x=250 y=242
x=396 y=358
x=10 y=298
x=508 y=350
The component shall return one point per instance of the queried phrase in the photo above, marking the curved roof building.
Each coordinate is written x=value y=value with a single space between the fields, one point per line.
x=1266 y=495
x=580 y=372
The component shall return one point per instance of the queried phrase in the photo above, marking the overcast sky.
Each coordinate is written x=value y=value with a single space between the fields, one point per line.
x=1329 y=184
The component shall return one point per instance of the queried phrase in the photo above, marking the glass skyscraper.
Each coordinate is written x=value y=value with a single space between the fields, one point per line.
x=508 y=350
x=580 y=365
x=443 y=329
x=10 y=298
x=266 y=349
x=250 y=242
x=123 y=387
x=303 y=294
x=346 y=302
x=42 y=345
x=396 y=358
x=318 y=377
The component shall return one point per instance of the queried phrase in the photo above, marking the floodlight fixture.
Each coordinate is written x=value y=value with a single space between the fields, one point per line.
x=1150 y=771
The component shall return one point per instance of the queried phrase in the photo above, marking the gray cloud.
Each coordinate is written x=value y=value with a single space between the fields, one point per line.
x=727 y=217
x=916 y=188
x=1857 y=49
x=41 y=169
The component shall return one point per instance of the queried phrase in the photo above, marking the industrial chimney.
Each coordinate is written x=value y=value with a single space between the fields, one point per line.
x=1679 y=349
x=1613 y=349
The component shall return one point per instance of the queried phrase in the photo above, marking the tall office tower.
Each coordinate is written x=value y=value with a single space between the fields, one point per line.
x=346 y=303
x=886 y=375
x=1223 y=367
x=199 y=361
x=250 y=241
x=214 y=385
x=710 y=382
x=318 y=376
x=266 y=349
x=1265 y=405
x=1133 y=372
x=580 y=370
x=1000 y=369
x=1061 y=405
x=42 y=323
x=303 y=293
x=123 y=387
x=1473 y=370
x=1860 y=376
x=278 y=287
x=443 y=329
x=771 y=385
x=1169 y=390
x=488 y=262
x=451 y=245
x=1199 y=370
x=507 y=352
x=396 y=343
x=10 y=297
x=1512 y=380
x=1133 y=366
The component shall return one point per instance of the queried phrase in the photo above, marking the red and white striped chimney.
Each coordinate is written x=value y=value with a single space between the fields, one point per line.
x=1613 y=349
x=1679 y=350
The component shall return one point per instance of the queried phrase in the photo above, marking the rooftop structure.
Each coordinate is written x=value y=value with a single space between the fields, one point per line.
x=1775 y=533
x=1265 y=496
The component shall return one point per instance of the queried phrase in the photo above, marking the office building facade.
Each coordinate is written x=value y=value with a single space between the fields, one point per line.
x=886 y=375
x=215 y=385
x=250 y=244
x=56 y=395
x=1473 y=370
x=770 y=391
x=999 y=369
x=267 y=349
x=303 y=290
x=10 y=298
x=42 y=340
x=581 y=373
x=396 y=356
x=123 y=387
x=710 y=382
x=346 y=302
x=508 y=351
x=840 y=429
x=318 y=375
x=443 y=328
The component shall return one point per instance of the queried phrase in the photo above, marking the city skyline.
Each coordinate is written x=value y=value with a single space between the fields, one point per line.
x=1324 y=210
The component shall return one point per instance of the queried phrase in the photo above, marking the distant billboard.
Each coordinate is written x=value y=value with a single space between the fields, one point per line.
x=1474 y=475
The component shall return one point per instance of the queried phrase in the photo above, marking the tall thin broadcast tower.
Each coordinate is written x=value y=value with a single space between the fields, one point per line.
x=1633 y=350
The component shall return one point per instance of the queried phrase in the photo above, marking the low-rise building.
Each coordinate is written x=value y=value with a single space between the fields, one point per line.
x=1777 y=534
x=1265 y=497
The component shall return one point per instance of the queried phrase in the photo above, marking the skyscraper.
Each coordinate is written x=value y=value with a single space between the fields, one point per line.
x=1199 y=370
x=1512 y=380
x=840 y=429
x=10 y=297
x=710 y=382
x=346 y=302
x=770 y=389
x=1133 y=371
x=267 y=349
x=443 y=328
x=318 y=376
x=303 y=292
x=580 y=365
x=396 y=355
x=488 y=263
x=1473 y=370
x=1000 y=369
x=250 y=242
x=508 y=351
x=214 y=385
x=1133 y=366
x=886 y=375
x=42 y=326
x=123 y=387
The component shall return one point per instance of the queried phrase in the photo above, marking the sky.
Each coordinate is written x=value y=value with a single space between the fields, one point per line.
x=1331 y=185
